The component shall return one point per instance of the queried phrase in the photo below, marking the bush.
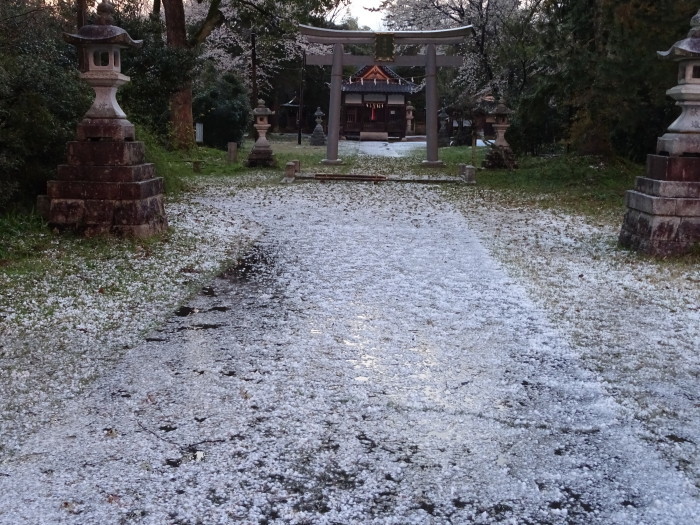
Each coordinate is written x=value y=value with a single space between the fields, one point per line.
x=221 y=104
x=41 y=99
x=156 y=72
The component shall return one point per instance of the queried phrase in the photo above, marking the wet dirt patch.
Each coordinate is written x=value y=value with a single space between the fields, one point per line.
x=184 y=311
x=257 y=262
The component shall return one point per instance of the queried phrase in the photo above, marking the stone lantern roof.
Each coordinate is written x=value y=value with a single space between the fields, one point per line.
x=262 y=110
x=502 y=109
x=102 y=32
x=689 y=47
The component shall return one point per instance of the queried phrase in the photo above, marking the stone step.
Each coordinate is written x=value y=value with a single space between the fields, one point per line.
x=106 y=153
x=117 y=191
x=135 y=173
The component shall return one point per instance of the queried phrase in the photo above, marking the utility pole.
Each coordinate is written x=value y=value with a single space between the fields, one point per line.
x=254 y=70
x=300 y=110
x=253 y=80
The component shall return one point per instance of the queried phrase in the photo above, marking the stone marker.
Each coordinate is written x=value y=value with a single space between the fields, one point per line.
x=467 y=173
x=289 y=172
x=106 y=187
x=261 y=154
x=663 y=209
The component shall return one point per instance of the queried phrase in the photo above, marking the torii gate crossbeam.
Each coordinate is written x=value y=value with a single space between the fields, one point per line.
x=430 y=60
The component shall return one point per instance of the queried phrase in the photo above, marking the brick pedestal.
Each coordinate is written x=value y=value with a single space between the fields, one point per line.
x=107 y=188
x=663 y=209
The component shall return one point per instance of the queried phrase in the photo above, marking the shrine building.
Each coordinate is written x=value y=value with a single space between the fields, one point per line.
x=374 y=104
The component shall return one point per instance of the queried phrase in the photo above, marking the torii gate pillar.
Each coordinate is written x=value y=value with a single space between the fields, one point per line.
x=384 y=55
x=431 y=107
x=334 y=107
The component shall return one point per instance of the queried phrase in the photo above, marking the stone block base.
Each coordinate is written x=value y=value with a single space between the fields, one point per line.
x=681 y=169
x=113 y=191
x=138 y=218
x=663 y=210
x=261 y=158
x=381 y=136
x=139 y=172
x=332 y=162
x=106 y=189
x=659 y=235
x=106 y=153
x=105 y=129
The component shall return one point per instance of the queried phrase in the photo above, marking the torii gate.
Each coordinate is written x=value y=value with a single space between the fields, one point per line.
x=384 y=55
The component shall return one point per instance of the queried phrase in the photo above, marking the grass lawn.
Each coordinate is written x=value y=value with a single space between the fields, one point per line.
x=584 y=185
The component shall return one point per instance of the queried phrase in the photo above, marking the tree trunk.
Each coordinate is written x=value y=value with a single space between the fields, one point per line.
x=181 y=118
x=80 y=22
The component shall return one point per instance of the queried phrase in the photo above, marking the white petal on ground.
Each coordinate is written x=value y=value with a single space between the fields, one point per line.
x=388 y=356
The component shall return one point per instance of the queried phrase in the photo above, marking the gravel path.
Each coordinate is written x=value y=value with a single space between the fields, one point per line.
x=370 y=362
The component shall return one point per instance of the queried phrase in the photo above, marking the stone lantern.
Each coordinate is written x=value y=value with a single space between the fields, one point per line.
x=409 y=118
x=103 y=43
x=106 y=187
x=663 y=210
x=500 y=155
x=443 y=132
x=261 y=154
x=501 y=115
x=318 y=137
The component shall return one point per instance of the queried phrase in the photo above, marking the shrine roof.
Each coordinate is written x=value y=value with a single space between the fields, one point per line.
x=378 y=79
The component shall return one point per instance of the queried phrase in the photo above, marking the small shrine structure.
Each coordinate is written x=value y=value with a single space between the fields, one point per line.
x=663 y=209
x=106 y=187
x=384 y=54
x=374 y=105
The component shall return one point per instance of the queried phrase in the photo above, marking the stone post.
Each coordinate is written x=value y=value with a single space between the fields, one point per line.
x=106 y=187
x=663 y=209
x=232 y=153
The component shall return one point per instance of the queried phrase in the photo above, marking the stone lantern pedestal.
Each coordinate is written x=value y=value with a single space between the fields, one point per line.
x=106 y=187
x=663 y=209
x=261 y=154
